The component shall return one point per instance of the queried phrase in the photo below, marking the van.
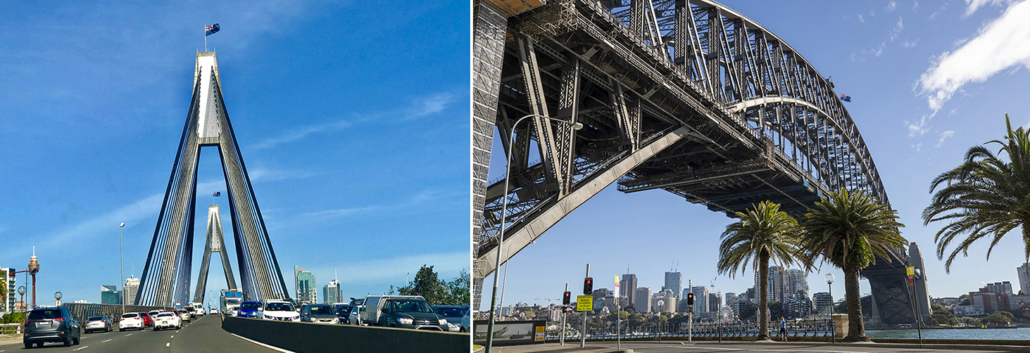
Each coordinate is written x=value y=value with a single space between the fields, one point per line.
x=372 y=313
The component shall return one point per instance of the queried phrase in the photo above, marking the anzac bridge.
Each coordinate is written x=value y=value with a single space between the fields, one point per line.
x=685 y=96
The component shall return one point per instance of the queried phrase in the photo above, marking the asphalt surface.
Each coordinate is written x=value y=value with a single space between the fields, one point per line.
x=598 y=347
x=201 y=335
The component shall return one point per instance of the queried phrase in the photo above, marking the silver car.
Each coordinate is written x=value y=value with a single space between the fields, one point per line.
x=97 y=323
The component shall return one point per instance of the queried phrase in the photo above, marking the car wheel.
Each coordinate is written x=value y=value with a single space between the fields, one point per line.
x=39 y=344
x=28 y=345
x=75 y=341
x=157 y=328
x=120 y=329
x=68 y=342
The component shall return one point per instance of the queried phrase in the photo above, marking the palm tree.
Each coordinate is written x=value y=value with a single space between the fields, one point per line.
x=984 y=196
x=848 y=230
x=762 y=234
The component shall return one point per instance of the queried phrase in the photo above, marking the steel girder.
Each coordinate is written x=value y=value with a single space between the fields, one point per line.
x=757 y=120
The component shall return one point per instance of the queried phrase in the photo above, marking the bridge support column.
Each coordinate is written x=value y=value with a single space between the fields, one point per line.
x=490 y=26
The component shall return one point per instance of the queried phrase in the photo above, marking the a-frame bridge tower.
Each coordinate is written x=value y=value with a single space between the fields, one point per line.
x=166 y=277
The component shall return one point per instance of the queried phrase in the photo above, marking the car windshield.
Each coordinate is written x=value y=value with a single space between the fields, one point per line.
x=165 y=315
x=451 y=312
x=189 y=308
x=44 y=314
x=130 y=316
x=279 y=307
x=96 y=318
x=250 y=306
x=410 y=305
x=343 y=310
x=321 y=310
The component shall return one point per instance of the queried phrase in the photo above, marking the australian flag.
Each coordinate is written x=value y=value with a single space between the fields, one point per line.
x=842 y=96
x=216 y=194
x=209 y=30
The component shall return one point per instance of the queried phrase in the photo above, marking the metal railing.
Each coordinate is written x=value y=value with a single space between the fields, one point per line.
x=81 y=312
x=11 y=329
x=808 y=328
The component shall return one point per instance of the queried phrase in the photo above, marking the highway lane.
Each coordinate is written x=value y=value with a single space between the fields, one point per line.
x=201 y=335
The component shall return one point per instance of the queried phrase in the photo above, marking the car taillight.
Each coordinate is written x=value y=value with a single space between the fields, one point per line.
x=58 y=319
x=28 y=321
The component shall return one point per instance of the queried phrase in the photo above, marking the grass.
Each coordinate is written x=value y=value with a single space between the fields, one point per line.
x=476 y=347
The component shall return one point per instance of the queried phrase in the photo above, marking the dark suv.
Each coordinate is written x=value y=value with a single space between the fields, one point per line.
x=410 y=312
x=51 y=325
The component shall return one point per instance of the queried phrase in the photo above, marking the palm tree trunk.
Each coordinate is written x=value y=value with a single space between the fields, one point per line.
x=856 y=328
x=763 y=301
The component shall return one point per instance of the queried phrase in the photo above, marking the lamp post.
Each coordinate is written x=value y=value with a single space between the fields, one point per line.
x=661 y=303
x=833 y=323
x=57 y=297
x=504 y=208
x=21 y=291
x=121 y=260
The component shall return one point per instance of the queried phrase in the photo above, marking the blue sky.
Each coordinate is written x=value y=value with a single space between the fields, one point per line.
x=928 y=80
x=352 y=118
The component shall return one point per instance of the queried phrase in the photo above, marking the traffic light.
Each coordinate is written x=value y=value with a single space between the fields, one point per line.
x=690 y=298
x=588 y=285
x=566 y=298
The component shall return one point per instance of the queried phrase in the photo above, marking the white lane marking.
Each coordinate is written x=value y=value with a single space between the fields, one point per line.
x=108 y=340
x=168 y=344
x=128 y=335
x=173 y=336
x=261 y=344
x=81 y=348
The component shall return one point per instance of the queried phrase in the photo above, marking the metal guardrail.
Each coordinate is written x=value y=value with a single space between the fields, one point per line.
x=11 y=329
x=83 y=311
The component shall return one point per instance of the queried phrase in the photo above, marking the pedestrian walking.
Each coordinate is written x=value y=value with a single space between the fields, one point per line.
x=783 y=329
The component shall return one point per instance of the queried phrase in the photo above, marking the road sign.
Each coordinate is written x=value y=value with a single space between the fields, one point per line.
x=584 y=303
x=911 y=270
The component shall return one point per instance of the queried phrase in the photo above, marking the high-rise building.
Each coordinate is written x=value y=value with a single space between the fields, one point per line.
x=628 y=284
x=1024 y=279
x=306 y=288
x=129 y=290
x=674 y=282
x=730 y=298
x=1000 y=287
x=776 y=289
x=600 y=293
x=643 y=300
x=667 y=304
x=109 y=295
x=8 y=299
x=331 y=293
x=700 y=300
x=823 y=302
x=797 y=283
x=714 y=299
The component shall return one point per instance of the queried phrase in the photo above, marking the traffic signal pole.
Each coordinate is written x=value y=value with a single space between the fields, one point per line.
x=690 y=315
x=583 y=334
x=565 y=307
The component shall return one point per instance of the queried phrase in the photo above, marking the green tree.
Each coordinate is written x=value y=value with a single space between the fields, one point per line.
x=776 y=310
x=763 y=234
x=848 y=230
x=3 y=286
x=458 y=290
x=942 y=316
x=427 y=285
x=984 y=197
x=999 y=318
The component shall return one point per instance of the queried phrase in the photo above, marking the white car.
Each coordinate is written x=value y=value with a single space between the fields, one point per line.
x=130 y=320
x=214 y=311
x=167 y=319
x=280 y=311
x=201 y=312
x=355 y=316
x=184 y=315
x=97 y=323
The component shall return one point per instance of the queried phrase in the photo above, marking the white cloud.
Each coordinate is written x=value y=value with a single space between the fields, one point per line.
x=915 y=6
x=999 y=45
x=860 y=18
x=390 y=269
x=416 y=200
x=891 y=6
x=302 y=132
x=897 y=29
x=425 y=106
x=944 y=135
x=908 y=44
x=277 y=174
x=976 y=4
x=920 y=128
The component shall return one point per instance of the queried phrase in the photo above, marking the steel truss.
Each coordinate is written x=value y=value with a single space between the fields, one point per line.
x=685 y=96
x=166 y=276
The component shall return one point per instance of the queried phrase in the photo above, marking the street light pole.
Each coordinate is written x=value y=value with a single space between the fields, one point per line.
x=504 y=208
x=833 y=323
x=121 y=260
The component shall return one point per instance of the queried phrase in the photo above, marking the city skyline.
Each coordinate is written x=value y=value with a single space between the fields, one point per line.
x=338 y=146
x=893 y=65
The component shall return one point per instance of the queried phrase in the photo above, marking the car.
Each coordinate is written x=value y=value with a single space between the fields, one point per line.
x=453 y=314
x=354 y=318
x=279 y=310
x=319 y=313
x=407 y=311
x=466 y=322
x=167 y=319
x=51 y=324
x=131 y=320
x=184 y=315
x=153 y=314
x=97 y=323
x=148 y=321
x=343 y=312
x=250 y=309
x=214 y=311
x=192 y=311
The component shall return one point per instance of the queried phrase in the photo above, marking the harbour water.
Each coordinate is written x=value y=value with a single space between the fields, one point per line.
x=1022 y=333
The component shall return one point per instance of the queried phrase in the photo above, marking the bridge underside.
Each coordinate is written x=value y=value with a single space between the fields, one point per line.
x=720 y=123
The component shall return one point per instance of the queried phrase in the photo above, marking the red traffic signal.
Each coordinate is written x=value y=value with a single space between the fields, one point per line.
x=588 y=285
x=566 y=298
x=690 y=298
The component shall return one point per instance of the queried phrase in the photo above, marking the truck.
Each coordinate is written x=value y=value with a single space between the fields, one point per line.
x=233 y=298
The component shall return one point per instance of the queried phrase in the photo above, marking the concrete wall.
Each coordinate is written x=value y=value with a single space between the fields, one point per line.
x=309 y=337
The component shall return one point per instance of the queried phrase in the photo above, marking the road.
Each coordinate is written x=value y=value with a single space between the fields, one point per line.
x=202 y=335
x=599 y=347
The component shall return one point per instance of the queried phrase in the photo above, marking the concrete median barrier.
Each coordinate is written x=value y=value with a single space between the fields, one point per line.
x=309 y=337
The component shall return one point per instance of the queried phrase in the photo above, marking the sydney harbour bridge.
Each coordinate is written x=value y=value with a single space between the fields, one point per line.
x=685 y=96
